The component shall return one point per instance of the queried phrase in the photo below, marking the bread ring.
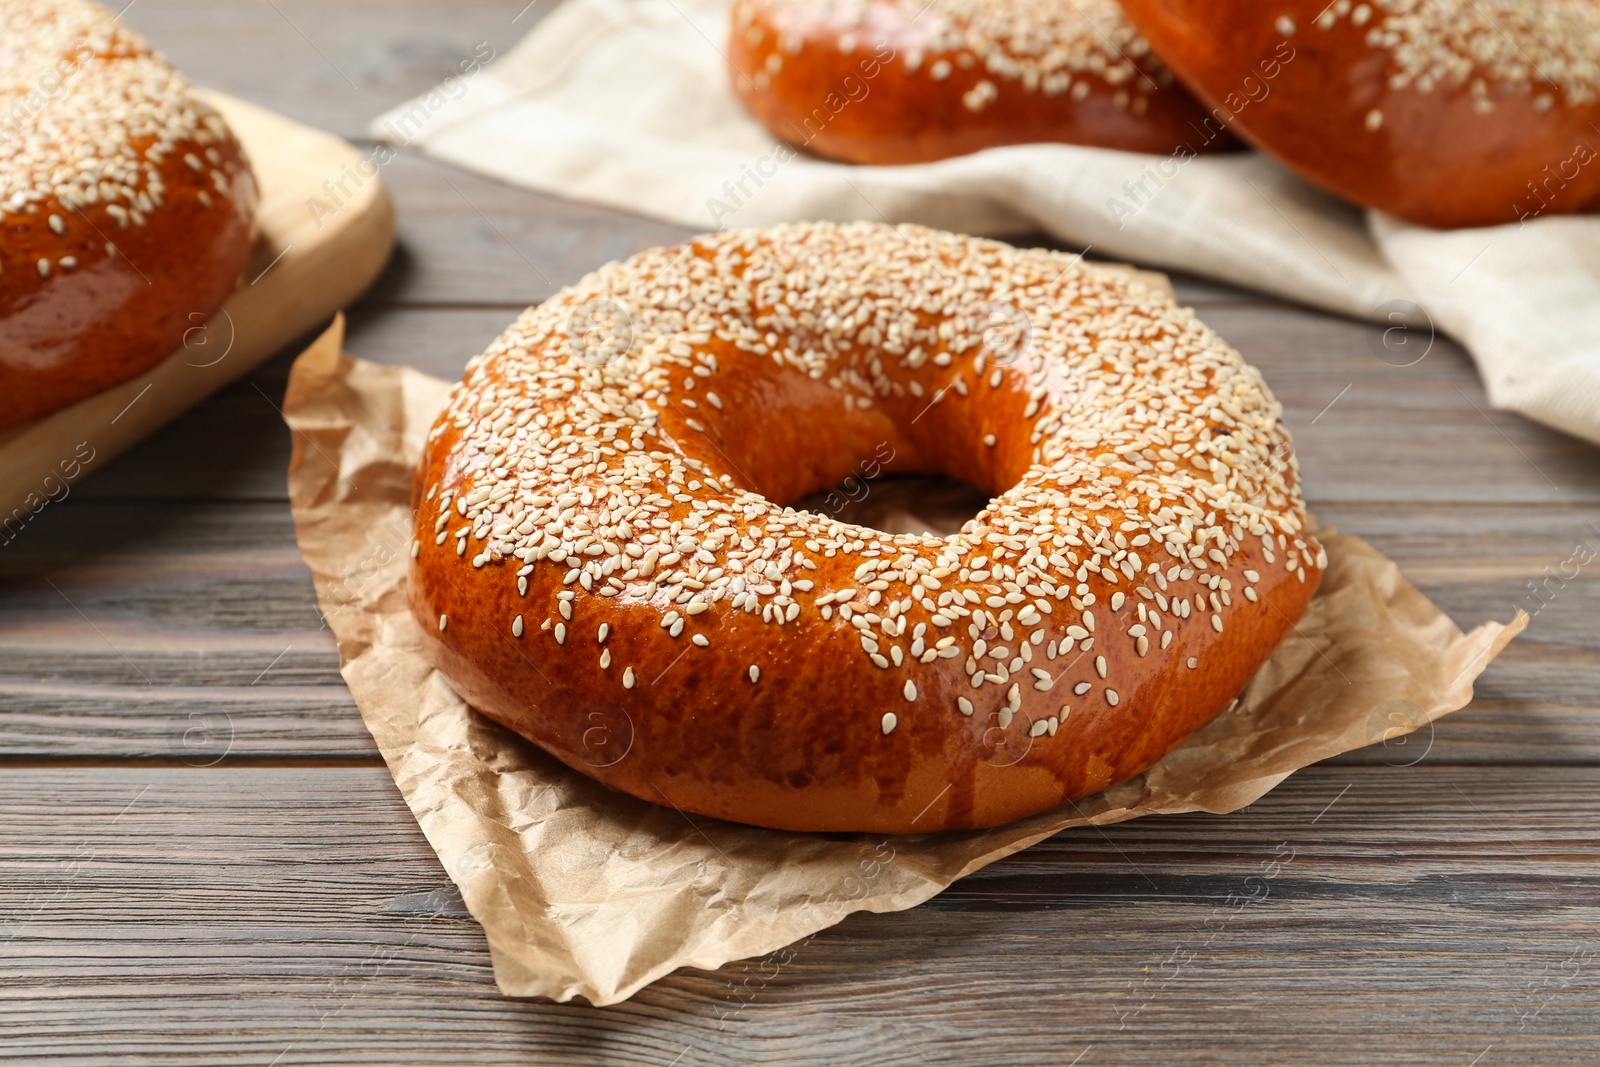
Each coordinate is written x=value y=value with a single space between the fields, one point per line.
x=125 y=206
x=1444 y=112
x=603 y=561
x=907 y=81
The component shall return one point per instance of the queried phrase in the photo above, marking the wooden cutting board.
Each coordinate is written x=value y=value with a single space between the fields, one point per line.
x=326 y=226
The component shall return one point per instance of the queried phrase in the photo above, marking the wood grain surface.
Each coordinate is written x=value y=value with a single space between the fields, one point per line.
x=203 y=861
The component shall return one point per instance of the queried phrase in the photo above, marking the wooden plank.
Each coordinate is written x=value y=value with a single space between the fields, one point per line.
x=210 y=565
x=131 y=631
x=282 y=699
x=473 y=241
x=334 y=66
x=295 y=915
x=467 y=240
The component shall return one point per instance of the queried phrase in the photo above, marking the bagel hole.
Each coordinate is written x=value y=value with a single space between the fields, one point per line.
x=900 y=503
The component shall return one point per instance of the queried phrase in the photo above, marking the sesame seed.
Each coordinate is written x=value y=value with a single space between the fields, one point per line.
x=890 y=721
x=516 y=626
x=755 y=673
x=910 y=690
x=1111 y=697
x=964 y=705
x=627 y=678
x=444 y=621
x=980 y=96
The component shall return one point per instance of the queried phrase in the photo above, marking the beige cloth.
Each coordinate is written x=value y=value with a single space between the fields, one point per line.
x=626 y=103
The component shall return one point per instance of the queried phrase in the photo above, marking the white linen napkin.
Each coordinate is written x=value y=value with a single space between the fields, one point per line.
x=626 y=103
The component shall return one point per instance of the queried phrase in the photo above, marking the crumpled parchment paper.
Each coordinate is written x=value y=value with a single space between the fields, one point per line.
x=586 y=892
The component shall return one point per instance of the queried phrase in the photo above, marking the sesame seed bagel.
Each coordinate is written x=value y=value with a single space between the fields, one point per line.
x=604 y=561
x=125 y=206
x=1444 y=112
x=907 y=81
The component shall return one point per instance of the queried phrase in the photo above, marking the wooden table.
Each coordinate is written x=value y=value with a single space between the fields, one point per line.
x=203 y=860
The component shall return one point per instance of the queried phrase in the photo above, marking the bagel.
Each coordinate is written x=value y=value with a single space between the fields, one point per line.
x=908 y=81
x=603 y=561
x=1445 y=113
x=126 y=206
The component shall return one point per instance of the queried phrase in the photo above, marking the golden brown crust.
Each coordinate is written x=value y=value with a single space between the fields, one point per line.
x=600 y=563
x=905 y=81
x=1445 y=112
x=125 y=206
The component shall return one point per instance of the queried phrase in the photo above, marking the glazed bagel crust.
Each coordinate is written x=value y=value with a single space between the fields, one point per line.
x=125 y=206
x=603 y=562
x=1444 y=112
x=906 y=81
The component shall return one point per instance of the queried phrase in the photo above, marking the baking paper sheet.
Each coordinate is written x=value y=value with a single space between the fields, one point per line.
x=586 y=892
